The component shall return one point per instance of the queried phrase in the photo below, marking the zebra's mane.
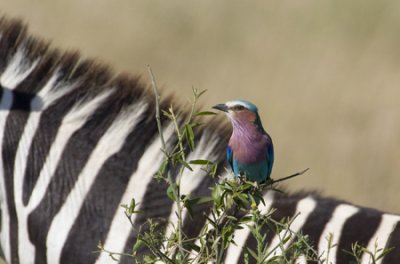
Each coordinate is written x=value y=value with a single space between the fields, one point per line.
x=86 y=78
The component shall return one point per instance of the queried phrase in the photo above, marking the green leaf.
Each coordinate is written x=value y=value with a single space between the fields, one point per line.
x=113 y=257
x=163 y=167
x=286 y=238
x=227 y=186
x=167 y=114
x=186 y=165
x=227 y=234
x=231 y=217
x=385 y=252
x=214 y=170
x=130 y=209
x=201 y=200
x=190 y=202
x=246 y=219
x=198 y=94
x=200 y=162
x=172 y=189
x=195 y=125
x=139 y=243
x=205 y=113
x=132 y=206
x=190 y=136
x=212 y=222
x=252 y=253
x=193 y=247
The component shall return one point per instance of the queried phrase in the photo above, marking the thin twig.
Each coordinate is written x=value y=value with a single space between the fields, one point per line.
x=300 y=237
x=130 y=221
x=180 y=137
x=290 y=176
x=175 y=191
x=157 y=95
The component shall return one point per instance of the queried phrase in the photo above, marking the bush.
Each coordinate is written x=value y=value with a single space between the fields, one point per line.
x=234 y=205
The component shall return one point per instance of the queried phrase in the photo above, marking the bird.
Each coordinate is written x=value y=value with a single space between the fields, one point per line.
x=250 y=151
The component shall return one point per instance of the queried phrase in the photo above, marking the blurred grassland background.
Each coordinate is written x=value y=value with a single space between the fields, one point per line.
x=325 y=74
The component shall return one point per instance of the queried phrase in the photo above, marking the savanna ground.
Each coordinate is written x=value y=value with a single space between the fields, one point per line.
x=325 y=74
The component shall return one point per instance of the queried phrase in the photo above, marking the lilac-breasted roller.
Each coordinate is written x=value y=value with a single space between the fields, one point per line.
x=250 y=151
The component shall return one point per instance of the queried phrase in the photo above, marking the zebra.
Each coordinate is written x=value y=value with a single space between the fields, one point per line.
x=77 y=141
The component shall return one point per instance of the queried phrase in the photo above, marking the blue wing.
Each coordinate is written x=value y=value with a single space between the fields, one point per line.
x=229 y=156
x=270 y=158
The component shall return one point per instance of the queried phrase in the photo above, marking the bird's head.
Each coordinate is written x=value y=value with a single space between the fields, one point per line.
x=240 y=112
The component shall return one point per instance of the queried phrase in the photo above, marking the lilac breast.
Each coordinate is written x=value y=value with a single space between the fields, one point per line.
x=248 y=144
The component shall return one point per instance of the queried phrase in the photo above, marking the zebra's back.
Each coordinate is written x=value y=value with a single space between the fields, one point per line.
x=78 y=141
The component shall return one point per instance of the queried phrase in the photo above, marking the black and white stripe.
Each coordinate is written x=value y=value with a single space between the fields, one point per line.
x=77 y=141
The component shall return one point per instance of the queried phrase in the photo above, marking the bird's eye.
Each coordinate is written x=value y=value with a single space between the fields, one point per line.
x=238 y=107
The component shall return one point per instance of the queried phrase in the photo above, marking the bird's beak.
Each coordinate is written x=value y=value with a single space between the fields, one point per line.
x=221 y=107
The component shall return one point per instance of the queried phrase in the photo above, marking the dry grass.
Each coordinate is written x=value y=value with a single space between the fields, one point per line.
x=325 y=74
